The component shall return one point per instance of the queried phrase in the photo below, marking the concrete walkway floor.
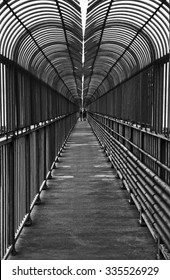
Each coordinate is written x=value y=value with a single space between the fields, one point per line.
x=84 y=213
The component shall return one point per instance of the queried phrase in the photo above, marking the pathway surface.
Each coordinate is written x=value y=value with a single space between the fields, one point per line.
x=84 y=213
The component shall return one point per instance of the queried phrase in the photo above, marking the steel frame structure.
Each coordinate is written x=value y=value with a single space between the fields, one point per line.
x=45 y=38
x=121 y=38
x=40 y=63
x=143 y=169
x=126 y=91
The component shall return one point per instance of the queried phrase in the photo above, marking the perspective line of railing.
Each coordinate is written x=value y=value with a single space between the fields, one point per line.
x=143 y=174
x=27 y=158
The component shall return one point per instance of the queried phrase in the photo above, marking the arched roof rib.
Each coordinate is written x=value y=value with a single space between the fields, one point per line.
x=121 y=38
x=45 y=37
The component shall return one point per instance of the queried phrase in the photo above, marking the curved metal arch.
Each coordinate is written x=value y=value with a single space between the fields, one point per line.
x=121 y=69
x=130 y=29
x=125 y=62
x=155 y=31
x=122 y=37
x=42 y=34
x=148 y=42
x=14 y=22
x=39 y=63
x=133 y=61
x=127 y=65
x=24 y=39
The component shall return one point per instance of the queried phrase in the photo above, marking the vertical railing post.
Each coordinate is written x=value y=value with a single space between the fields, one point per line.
x=38 y=201
x=161 y=156
x=141 y=144
x=28 y=185
x=44 y=155
x=11 y=164
x=131 y=138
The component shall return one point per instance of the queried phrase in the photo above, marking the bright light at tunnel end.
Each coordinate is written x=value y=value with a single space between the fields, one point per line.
x=83 y=5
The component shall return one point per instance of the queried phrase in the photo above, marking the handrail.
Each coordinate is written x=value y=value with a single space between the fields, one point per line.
x=158 y=136
x=146 y=189
x=9 y=136
x=26 y=163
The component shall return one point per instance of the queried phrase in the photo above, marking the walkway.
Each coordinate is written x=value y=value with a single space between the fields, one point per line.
x=84 y=213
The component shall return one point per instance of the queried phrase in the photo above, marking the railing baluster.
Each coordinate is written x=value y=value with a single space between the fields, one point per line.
x=140 y=163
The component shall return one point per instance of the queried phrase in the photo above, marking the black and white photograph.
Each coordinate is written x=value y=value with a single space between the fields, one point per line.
x=85 y=137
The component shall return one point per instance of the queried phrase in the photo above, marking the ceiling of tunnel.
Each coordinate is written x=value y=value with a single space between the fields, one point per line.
x=121 y=38
x=45 y=37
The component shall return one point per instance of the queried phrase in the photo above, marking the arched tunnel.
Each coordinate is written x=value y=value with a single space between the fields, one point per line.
x=85 y=129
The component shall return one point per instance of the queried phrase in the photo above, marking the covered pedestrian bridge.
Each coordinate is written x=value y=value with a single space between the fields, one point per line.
x=85 y=189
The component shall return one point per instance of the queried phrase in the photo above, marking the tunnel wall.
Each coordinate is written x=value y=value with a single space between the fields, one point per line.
x=35 y=122
x=132 y=124
x=143 y=99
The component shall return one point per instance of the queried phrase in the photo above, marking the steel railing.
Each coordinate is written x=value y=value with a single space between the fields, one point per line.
x=26 y=161
x=137 y=156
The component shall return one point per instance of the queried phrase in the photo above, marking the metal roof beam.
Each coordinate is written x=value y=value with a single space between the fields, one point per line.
x=101 y=35
x=40 y=49
x=139 y=31
x=67 y=43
